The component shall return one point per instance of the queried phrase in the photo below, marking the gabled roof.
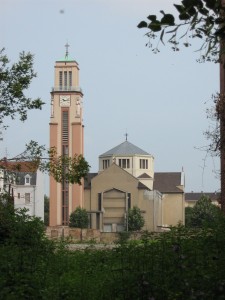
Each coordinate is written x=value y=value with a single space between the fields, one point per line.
x=125 y=148
x=20 y=178
x=87 y=180
x=90 y=176
x=144 y=176
x=142 y=186
x=19 y=166
x=167 y=182
x=196 y=196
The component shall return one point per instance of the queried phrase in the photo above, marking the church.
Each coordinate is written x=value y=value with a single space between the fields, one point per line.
x=125 y=178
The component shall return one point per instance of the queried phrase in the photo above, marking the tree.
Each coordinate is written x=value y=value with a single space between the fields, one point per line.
x=198 y=19
x=46 y=210
x=135 y=219
x=204 y=213
x=79 y=218
x=203 y=20
x=14 y=81
x=188 y=214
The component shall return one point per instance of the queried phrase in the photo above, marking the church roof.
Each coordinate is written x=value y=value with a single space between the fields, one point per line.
x=144 y=175
x=126 y=148
x=167 y=182
x=66 y=59
x=90 y=176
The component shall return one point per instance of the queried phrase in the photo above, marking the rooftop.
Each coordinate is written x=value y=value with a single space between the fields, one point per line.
x=125 y=148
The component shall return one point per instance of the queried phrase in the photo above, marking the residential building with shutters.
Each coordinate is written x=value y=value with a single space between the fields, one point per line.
x=25 y=183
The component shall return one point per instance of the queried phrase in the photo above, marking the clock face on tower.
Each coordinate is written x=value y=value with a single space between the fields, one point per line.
x=64 y=100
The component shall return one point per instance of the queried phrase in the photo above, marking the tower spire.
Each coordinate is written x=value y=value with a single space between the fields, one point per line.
x=67 y=50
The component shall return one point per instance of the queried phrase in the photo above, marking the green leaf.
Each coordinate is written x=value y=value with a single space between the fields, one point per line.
x=155 y=26
x=192 y=11
x=184 y=16
x=142 y=24
x=219 y=20
x=168 y=19
x=204 y=11
x=210 y=4
x=152 y=18
x=179 y=8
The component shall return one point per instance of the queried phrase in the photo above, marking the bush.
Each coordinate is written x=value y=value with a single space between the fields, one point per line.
x=79 y=218
x=135 y=219
x=203 y=214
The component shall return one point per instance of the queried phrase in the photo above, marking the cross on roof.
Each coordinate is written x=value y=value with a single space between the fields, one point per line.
x=126 y=135
x=67 y=48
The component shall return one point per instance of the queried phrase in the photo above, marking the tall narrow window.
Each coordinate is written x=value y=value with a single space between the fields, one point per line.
x=27 y=179
x=143 y=164
x=99 y=201
x=65 y=150
x=27 y=198
x=128 y=200
x=124 y=163
x=60 y=79
x=65 y=212
x=70 y=79
x=65 y=79
x=105 y=163
x=65 y=127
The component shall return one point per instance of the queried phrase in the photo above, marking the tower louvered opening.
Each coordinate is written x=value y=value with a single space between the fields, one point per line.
x=65 y=127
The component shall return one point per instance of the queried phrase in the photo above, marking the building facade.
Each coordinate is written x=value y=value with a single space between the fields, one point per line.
x=25 y=185
x=66 y=136
x=126 y=178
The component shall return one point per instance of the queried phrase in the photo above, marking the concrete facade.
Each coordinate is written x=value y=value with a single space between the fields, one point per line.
x=66 y=136
x=117 y=187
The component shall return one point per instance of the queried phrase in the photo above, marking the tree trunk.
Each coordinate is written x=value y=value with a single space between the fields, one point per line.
x=222 y=123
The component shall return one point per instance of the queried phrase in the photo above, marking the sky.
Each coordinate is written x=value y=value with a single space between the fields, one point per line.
x=159 y=100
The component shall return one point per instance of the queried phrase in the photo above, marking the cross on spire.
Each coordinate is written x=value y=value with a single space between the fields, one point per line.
x=126 y=135
x=67 y=49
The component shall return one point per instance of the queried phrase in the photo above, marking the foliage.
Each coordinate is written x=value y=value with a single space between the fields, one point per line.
x=215 y=113
x=24 y=252
x=188 y=215
x=181 y=264
x=62 y=168
x=65 y=168
x=46 y=210
x=7 y=215
x=123 y=237
x=135 y=219
x=79 y=218
x=198 y=19
x=16 y=225
x=14 y=81
x=204 y=213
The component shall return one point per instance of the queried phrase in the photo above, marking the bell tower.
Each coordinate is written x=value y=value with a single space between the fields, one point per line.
x=66 y=135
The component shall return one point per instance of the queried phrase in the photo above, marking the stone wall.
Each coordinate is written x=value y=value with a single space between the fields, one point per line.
x=86 y=235
x=73 y=234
